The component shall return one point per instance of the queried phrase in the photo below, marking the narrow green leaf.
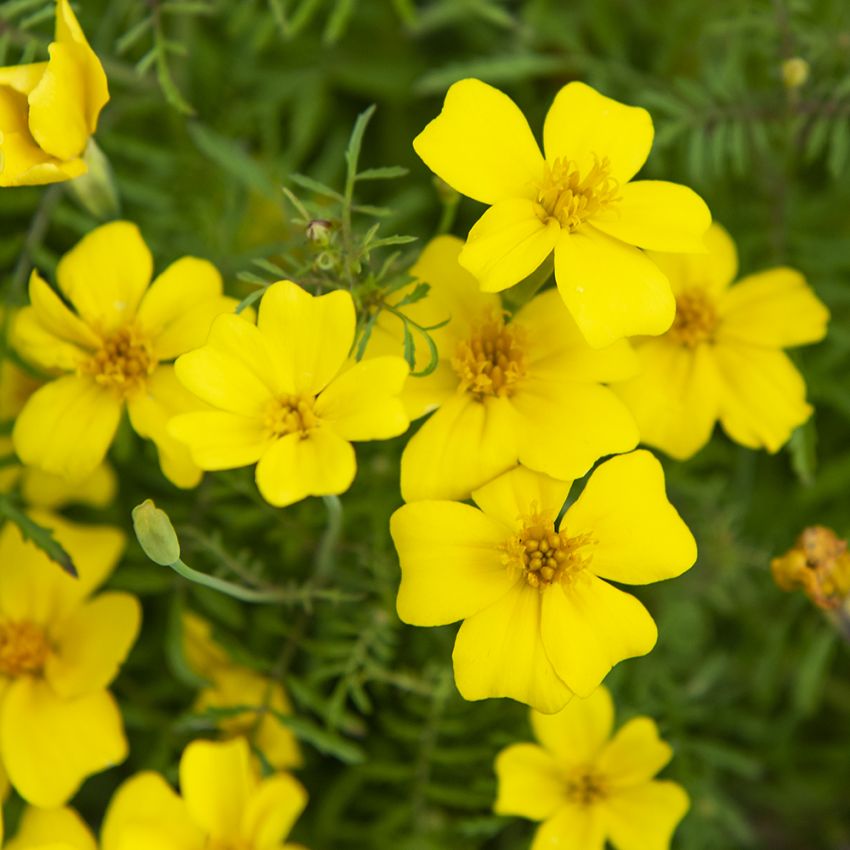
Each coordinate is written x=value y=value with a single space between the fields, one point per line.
x=38 y=534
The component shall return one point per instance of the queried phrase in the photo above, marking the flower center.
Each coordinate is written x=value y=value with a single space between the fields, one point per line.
x=290 y=414
x=124 y=361
x=586 y=788
x=23 y=648
x=544 y=555
x=491 y=360
x=570 y=198
x=696 y=318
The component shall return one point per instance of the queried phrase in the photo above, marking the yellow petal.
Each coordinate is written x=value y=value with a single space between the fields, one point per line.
x=293 y=468
x=713 y=271
x=311 y=336
x=26 y=164
x=217 y=781
x=763 y=396
x=564 y=427
x=451 y=562
x=508 y=243
x=638 y=535
x=219 y=440
x=588 y=626
x=555 y=348
x=178 y=309
x=272 y=811
x=363 y=402
x=92 y=643
x=235 y=370
x=657 y=215
x=634 y=755
x=32 y=587
x=163 y=397
x=200 y=649
x=16 y=386
x=531 y=782
x=571 y=828
x=585 y=126
x=57 y=319
x=105 y=275
x=39 y=829
x=776 y=309
x=499 y=653
x=645 y=817
x=463 y=445
x=675 y=399
x=144 y=813
x=520 y=492
x=22 y=78
x=67 y=426
x=39 y=345
x=44 y=490
x=612 y=289
x=49 y=745
x=577 y=734
x=481 y=145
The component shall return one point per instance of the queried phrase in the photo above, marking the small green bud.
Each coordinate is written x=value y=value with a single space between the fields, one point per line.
x=95 y=190
x=795 y=72
x=156 y=534
x=319 y=231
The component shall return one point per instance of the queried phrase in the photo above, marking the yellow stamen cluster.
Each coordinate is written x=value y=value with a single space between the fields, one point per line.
x=491 y=360
x=23 y=648
x=124 y=361
x=565 y=195
x=545 y=555
x=290 y=414
x=696 y=318
x=586 y=788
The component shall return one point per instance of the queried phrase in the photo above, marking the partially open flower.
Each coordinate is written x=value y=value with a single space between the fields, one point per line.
x=819 y=564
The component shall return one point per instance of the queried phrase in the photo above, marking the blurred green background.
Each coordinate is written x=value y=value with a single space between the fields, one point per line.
x=215 y=104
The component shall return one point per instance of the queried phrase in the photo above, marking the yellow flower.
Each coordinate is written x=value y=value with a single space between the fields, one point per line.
x=50 y=829
x=287 y=398
x=522 y=389
x=819 y=563
x=112 y=351
x=48 y=110
x=60 y=647
x=586 y=786
x=577 y=202
x=223 y=803
x=541 y=621
x=232 y=685
x=722 y=358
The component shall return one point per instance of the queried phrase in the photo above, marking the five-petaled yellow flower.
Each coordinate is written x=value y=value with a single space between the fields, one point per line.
x=541 y=620
x=586 y=786
x=48 y=110
x=722 y=359
x=223 y=803
x=112 y=351
x=232 y=685
x=524 y=388
x=60 y=647
x=49 y=829
x=578 y=201
x=287 y=397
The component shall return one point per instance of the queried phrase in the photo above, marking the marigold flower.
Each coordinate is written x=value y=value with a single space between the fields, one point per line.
x=232 y=685
x=722 y=359
x=48 y=110
x=112 y=351
x=223 y=803
x=586 y=786
x=524 y=388
x=540 y=619
x=578 y=202
x=819 y=564
x=50 y=829
x=60 y=647
x=287 y=398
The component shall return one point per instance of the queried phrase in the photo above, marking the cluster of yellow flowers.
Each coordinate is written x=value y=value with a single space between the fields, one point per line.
x=522 y=403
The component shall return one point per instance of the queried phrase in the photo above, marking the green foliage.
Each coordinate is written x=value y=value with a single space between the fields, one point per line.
x=216 y=106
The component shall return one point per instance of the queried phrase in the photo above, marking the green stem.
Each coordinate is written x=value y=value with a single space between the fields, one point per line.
x=245 y=594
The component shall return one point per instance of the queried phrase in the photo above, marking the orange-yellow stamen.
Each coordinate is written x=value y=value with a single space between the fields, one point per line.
x=491 y=360
x=124 y=361
x=23 y=648
x=545 y=555
x=290 y=414
x=696 y=318
x=585 y=788
x=565 y=195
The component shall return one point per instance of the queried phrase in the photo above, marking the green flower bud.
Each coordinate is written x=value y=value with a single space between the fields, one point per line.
x=156 y=534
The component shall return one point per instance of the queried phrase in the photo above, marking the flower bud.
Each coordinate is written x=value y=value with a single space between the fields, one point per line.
x=319 y=231
x=795 y=72
x=95 y=190
x=156 y=534
x=819 y=564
